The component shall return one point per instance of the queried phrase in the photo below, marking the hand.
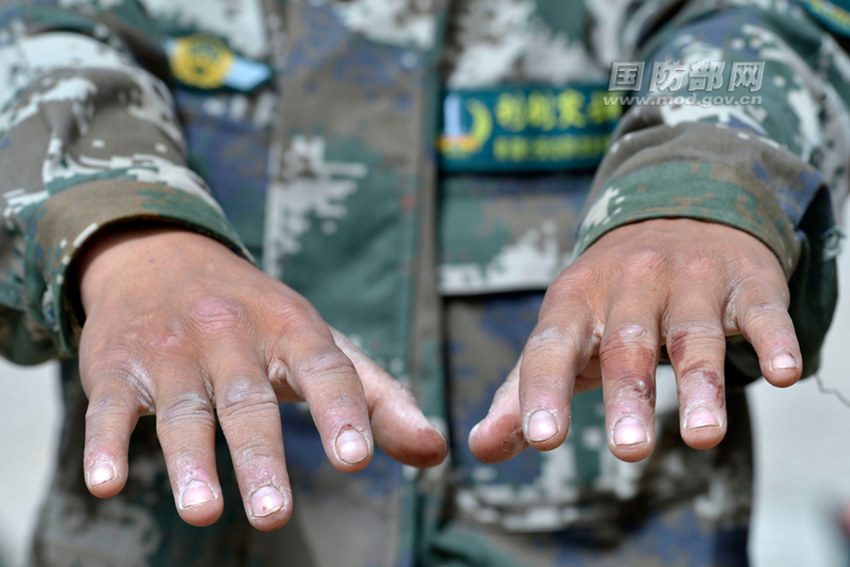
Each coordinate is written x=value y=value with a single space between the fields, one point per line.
x=178 y=325
x=682 y=283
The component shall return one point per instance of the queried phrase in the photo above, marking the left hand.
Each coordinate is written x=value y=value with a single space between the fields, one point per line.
x=682 y=283
x=180 y=327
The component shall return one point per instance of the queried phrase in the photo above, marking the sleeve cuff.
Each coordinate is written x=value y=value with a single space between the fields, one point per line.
x=692 y=189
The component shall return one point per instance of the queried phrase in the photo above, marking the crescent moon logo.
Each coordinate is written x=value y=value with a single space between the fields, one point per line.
x=479 y=133
x=482 y=124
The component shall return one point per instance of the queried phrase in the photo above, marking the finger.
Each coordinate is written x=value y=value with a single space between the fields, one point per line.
x=696 y=346
x=248 y=411
x=111 y=416
x=558 y=348
x=185 y=426
x=398 y=425
x=322 y=375
x=628 y=356
x=499 y=436
x=250 y=419
x=761 y=306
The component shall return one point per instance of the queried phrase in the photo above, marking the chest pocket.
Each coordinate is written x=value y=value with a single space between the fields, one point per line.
x=228 y=136
x=517 y=163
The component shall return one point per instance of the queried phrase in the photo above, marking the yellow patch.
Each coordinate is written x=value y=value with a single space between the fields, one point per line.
x=202 y=61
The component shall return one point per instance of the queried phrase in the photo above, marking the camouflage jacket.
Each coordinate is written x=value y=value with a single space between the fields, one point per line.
x=303 y=134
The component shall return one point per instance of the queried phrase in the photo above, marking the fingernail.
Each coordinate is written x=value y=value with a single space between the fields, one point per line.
x=265 y=501
x=701 y=416
x=351 y=446
x=542 y=425
x=782 y=361
x=100 y=472
x=436 y=427
x=195 y=493
x=474 y=431
x=629 y=431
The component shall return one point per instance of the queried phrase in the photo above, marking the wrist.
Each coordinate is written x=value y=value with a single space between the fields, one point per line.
x=128 y=255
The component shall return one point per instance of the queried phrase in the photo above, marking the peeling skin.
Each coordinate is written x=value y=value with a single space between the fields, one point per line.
x=636 y=388
x=628 y=362
x=628 y=341
x=508 y=434
x=695 y=368
x=514 y=443
x=631 y=331
x=619 y=364
x=546 y=338
x=704 y=382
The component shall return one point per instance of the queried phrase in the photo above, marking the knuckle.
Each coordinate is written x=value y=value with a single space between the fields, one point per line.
x=113 y=384
x=295 y=312
x=764 y=315
x=242 y=395
x=254 y=452
x=698 y=267
x=744 y=268
x=633 y=387
x=547 y=339
x=628 y=356
x=108 y=353
x=627 y=337
x=104 y=408
x=214 y=314
x=547 y=346
x=186 y=406
x=686 y=335
x=629 y=344
x=329 y=362
x=765 y=284
x=749 y=275
x=747 y=265
x=172 y=339
x=579 y=276
x=755 y=295
x=642 y=263
x=142 y=338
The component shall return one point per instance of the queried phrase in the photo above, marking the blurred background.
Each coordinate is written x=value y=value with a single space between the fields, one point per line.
x=802 y=441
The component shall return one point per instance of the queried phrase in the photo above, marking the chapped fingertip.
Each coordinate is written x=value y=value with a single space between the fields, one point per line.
x=504 y=447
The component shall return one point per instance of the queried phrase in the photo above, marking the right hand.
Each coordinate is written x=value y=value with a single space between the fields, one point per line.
x=683 y=283
x=178 y=325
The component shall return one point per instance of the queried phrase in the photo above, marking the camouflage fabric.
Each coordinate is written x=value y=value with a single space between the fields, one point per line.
x=326 y=174
x=766 y=175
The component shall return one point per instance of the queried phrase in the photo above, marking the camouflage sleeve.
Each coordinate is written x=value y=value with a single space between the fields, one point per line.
x=742 y=121
x=89 y=139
